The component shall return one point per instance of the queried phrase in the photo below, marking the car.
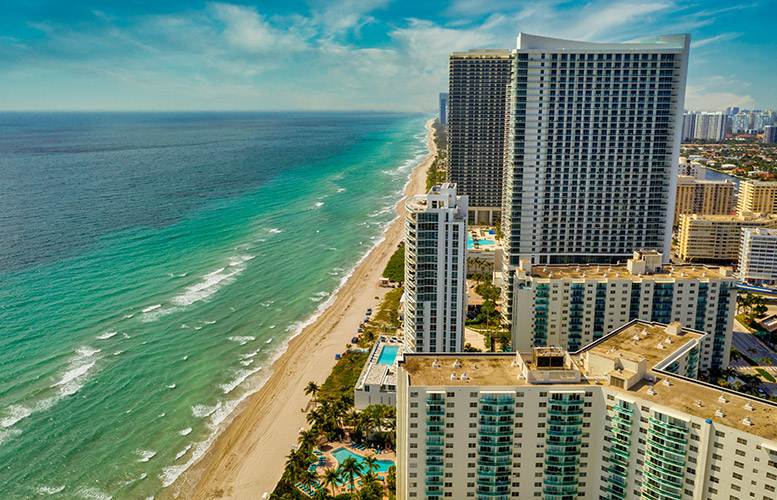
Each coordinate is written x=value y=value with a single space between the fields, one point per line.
x=366 y=320
x=369 y=311
x=360 y=330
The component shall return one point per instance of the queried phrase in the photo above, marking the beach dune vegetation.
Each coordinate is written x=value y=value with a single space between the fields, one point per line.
x=395 y=268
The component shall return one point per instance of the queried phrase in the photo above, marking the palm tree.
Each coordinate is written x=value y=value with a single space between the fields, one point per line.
x=321 y=494
x=296 y=463
x=308 y=439
x=313 y=389
x=307 y=478
x=349 y=470
x=371 y=463
x=332 y=479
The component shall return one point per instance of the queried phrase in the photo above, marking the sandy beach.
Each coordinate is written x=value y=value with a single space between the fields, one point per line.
x=249 y=456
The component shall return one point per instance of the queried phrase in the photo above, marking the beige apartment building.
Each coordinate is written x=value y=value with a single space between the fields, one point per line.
x=622 y=418
x=572 y=306
x=758 y=196
x=716 y=238
x=703 y=197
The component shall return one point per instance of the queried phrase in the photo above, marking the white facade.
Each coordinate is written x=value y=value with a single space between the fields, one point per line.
x=622 y=419
x=572 y=306
x=377 y=384
x=710 y=126
x=692 y=169
x=594 y=141
x=758 y=256
x=435 y=270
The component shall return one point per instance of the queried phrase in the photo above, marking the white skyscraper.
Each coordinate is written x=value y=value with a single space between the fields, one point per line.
x=435 y=270
x=711 y=126
x=592 y=155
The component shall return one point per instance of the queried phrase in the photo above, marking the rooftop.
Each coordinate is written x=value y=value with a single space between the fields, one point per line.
x=593 y=271
x=375 y=371
x=654 y=343
x=688 y=396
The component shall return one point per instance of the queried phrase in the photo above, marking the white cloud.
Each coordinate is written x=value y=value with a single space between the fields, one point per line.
x=716 y=101
x=245 y=28
x=705 y=41
x=338 y=16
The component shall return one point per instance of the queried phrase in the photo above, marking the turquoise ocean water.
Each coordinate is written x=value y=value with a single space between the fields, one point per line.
x=153 y=265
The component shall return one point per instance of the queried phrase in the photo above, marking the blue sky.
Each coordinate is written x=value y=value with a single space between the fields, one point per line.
x=341 y=54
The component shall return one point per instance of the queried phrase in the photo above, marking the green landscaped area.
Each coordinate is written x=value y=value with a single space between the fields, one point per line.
x=344 y=375
x=765 y=375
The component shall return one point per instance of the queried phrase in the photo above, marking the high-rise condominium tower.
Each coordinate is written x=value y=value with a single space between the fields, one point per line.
x=593 y=144
x=476 y=125
x=435 y=270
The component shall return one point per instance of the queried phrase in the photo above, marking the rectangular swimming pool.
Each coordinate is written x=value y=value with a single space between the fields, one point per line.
x=388 y=354
x=471 y=242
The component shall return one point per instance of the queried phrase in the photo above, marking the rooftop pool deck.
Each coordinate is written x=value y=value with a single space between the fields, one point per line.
x=388 y=354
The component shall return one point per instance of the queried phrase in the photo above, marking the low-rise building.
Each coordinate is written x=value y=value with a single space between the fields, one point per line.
x=758 y=258
x=570 y=305
x=622 y=418
x=716 y=238
x=692 y=168
x=703 y=197
x=757 y=196
x=377 y=384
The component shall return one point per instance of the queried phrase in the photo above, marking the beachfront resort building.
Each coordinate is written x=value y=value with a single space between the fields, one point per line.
x=476 y=128
x=593 y=147
x=758 y=196
x=622 y=418
x=571 y=306
x=435 y=270
x=703 y=197
x=758 y=258
x=716 y=238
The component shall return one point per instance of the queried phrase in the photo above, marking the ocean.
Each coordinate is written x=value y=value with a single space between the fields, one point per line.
x=153 y=265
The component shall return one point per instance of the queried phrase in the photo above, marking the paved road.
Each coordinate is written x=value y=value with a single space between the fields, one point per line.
x=746 y=343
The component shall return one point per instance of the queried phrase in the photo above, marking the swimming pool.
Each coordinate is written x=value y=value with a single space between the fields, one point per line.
x=471 y=244
x=341 y=454
x=387 y=355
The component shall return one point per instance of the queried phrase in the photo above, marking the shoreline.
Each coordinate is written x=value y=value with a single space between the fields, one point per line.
x=248 y=456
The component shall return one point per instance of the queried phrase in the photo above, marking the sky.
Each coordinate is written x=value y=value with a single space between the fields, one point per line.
x=341 y=54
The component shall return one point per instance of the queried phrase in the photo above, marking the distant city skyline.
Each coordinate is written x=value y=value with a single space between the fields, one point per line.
x=342 y=54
